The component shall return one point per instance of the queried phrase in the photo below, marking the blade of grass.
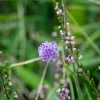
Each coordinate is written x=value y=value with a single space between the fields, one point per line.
x=87 y=92
x=80 y=96
x=71 y=87
x=51 y=93
x=20 y=8
x=84 y=33
x=86 y=43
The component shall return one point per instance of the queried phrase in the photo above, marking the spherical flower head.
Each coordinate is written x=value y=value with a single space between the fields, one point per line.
x=48 y=51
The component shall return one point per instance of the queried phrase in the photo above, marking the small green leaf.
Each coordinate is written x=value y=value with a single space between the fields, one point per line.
x=92 y=82
x=77 y=52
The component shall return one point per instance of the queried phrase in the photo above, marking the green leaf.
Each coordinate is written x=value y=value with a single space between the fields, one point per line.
x=29 y=77
x=92 y=82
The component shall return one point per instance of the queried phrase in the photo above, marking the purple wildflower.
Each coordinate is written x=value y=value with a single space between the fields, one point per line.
x=48 y=51
x=70 y=59
x=63 y=93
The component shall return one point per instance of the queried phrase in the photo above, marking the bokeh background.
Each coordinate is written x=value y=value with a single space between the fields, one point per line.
x=25 y=24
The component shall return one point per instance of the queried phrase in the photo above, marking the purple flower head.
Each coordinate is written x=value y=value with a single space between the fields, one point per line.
x=48 y=51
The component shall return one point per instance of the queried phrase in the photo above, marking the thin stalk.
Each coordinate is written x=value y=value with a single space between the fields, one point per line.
x=85 y=35
x=77 y=84
x=2 y=76
x=65 y=16
x=25 y=62
x=88 y=92
x=88 y=80
x=41 y=81
x=64 y=70
x=65 y=65
x=75 y=75
x=69 y=78
x=93 y=87
x=71 y=88
x=51 y=93
x=22 y=34
x=4 y=85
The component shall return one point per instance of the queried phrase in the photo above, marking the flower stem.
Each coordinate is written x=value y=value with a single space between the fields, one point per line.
x=65 y=16
x=77 y=84
x=2 y=76
x=87 y=79
x=4 y=85
x=71 y=87
x=21 y=24
x=25 y=62
x=65 y=65
x=41 y=81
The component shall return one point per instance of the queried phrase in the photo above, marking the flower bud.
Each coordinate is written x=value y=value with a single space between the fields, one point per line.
x=59 y=27
x=10 y=83
x=80 y=57
x=74 y=49
x=99 y=68
x=80 y=70
x=72 y=43
x=72 y=38
x=56 y=7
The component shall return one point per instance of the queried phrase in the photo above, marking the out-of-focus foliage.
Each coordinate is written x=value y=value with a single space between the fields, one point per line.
x=25 y=24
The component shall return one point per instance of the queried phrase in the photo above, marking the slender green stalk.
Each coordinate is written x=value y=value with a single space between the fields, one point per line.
x=65 y=65
x=88 y=92
x=2 y=76
x=88 y=80
x=51 y=93
x=77 y=84
x=25 y=62
x=71 y=88
x=20 y=9
x=65 y=16
x=4 y=85
x=75 y=75
x=41 y=81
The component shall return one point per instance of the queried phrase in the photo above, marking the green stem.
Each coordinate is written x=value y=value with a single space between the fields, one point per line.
x=25 y=62
x=4 y=85
x=77 y=84
x=65 y=65
x=65 y=16
x=88 y=80
x=88 y=92
x=71 y=87
x=2 y=76
x=22 y=33
x=41 y=81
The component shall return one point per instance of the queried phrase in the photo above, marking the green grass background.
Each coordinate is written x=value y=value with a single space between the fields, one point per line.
x=25 y=24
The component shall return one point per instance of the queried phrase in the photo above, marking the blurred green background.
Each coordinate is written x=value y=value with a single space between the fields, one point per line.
x=25 y=24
